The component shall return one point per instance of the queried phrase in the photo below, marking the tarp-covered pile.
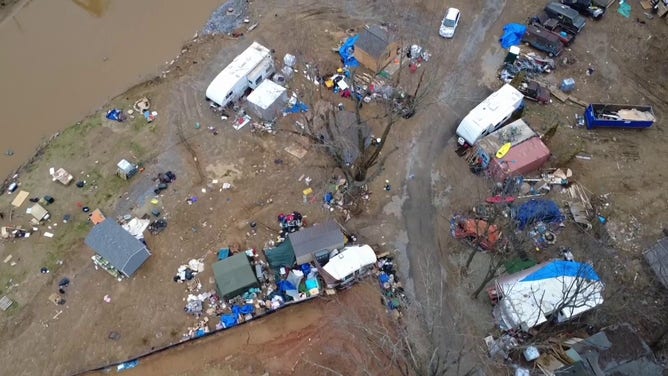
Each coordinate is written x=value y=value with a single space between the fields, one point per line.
x=538 y=210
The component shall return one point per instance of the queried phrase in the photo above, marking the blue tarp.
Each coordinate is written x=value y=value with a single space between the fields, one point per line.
x=347 y=52
x=305 y=268
x=297 y=108
x=383 y=278
x=223 y=253
x=127 y=365
x=311 y=283
x=560 y=268
x=284 y=285
x=200 y=333
x=512 y=35
x=244 y=309
x=538 y=210
x=228 y=321
x=624 y=9
x=115 y=114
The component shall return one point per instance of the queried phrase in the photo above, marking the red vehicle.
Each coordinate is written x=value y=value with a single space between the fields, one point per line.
x=476 y=231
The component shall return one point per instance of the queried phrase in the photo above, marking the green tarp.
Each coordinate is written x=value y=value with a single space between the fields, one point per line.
x=234 y=276
x=281 y=256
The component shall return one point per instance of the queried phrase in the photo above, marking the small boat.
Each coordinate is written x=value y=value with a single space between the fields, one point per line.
x=503 y=150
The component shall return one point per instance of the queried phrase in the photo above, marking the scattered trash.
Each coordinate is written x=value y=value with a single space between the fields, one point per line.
x=107 y=299
x=44 y=270
x=624 y=9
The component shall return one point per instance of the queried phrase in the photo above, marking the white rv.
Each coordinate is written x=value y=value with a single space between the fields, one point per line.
x=352 y=263
x=247 y=70
x=489 y=115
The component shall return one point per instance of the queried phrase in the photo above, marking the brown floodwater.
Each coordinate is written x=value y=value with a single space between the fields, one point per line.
x=62 y=59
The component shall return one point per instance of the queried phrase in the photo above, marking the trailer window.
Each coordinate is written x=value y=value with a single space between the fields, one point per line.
x=228 y=95
x=258 y=80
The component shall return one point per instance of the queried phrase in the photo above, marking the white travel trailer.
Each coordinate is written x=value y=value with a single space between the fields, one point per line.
x=247 y=70
x=489 y=115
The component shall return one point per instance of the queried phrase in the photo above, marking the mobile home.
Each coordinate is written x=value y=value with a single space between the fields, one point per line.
x=489 y=115
x=246 y=71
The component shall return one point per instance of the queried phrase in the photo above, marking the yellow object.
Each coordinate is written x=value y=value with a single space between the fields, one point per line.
x=154 y=201
x=339 y=70
x=329 y=84
x=307 y=191
x=503 y=150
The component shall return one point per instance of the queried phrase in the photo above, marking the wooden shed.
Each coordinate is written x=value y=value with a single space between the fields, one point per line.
x=375 y=48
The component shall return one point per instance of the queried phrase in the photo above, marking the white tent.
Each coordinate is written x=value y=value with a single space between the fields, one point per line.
x=267 y=100
x=136 y=227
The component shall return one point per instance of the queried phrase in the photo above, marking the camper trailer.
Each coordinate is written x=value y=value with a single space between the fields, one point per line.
x=490 y=115
x=246 y=71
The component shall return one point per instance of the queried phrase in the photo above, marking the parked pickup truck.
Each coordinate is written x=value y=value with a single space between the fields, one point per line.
x=590 y=8
x=553 y=26
x=599 y=115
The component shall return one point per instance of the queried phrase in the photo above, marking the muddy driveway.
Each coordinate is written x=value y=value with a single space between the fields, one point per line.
x=438 y=128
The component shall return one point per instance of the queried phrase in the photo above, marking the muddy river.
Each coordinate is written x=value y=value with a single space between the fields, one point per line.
x=62 y=59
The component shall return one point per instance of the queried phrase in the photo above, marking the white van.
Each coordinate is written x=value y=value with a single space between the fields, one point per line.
x=489 y=115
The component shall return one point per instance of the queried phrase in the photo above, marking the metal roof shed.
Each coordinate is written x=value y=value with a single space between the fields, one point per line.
x=267 y=100
x=123 y=251
x=309 y=241
x=234 y=276
x=657 y=258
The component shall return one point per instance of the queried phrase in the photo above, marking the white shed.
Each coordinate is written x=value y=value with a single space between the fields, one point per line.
x=267 y=100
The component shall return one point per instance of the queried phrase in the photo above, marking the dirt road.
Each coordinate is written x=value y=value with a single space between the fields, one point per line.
x=438 y=127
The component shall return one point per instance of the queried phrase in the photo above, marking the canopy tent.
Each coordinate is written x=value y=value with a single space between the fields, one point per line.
x=234 y=275
x=280 y=256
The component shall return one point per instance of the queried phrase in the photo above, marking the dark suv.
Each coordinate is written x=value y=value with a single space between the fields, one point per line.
x=543 y=40
x=568 y=17
x=591 y=8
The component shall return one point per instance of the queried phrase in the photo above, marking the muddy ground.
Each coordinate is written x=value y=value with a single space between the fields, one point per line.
x=429 y=184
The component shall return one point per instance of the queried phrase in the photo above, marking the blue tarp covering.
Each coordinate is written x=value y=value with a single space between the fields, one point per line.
x=228 y=321
x=285 y=286
x=624 y=9
x=200 y=333
x=115 y=114
x=223 y=253
x=538 y=210
x=383 y=278
x=512 y=35
x=127 y=365
x=311 y=283
x=560 y=268
x=297 y=108
x=244 y=309
x=347 y=52
x=305 y=268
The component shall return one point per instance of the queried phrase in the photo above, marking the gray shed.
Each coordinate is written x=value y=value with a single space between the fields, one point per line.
x=123 y=251
x=657 y=258
x=308 y=242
